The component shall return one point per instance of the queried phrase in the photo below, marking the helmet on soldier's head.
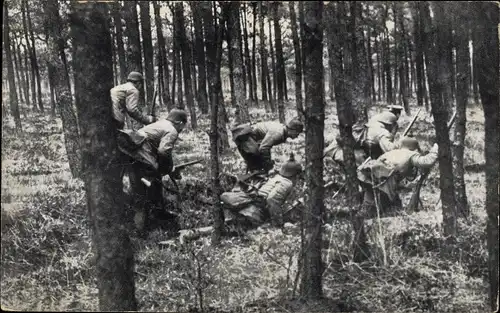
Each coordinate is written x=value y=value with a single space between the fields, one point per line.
x=409 y=143
x=177 y=115
x=395 y=107
x=388 y=118
x=295 y=124
x=290 y=168
x=135 y=77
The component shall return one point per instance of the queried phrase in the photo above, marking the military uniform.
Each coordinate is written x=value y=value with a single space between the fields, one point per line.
x=152 y=158
x=380 y=179
x=125 y=100
x=255 y=141
x=378 y=138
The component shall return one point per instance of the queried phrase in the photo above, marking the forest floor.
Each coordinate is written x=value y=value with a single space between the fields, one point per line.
x=47 y=261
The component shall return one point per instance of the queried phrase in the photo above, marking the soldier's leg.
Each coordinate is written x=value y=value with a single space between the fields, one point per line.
x=361 y=251
x=140 y=199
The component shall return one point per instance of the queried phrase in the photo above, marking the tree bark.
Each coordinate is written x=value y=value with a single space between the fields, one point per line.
x=437 y=81
x=13 y=101
x=57 y=59
x=34 y=59
x=116 y=7
x=419 y=56
x=463 y=84
x=273 y=61
x=17 y=69
x=233 y=27
x=186 y=62
x=487 y=65
x=311 y=285
x=113 y=52
x=280 y=63
x=93 y=78
x=400 y=55
x=254 y=50
x=24 y=74
x=298 y=58
x=28 y=53
x=200 y=57
x=379 y=70
x=263 y=56
x=162 y=51
x=147 y=47
x=475 y=66
x=50 y=74
x=27 y=72
x=248 y=61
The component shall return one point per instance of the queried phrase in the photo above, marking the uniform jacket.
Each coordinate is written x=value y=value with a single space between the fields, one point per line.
x=386 y=172
x=268 y=134
x=276 y=190
x=125 y=99
x=159 y=141
x=378 y=134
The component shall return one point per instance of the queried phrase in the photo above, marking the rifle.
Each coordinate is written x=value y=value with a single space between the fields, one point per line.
x=176 y=168
x=415 y=197
x=155 y=93
x=407 y=130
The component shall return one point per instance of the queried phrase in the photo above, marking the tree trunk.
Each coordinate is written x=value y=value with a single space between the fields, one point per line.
x=370 y=67
x=34 y=59
x=13 y=102
x=311 y=285
x=233 y=28
x=263 y=56
x=93 y=78
x=231 y=74
x=400 y=55
x=27 y=72
x=298 y=58
x=28 y=53
x=475 y=66
x=62 y=88
x=50 y=74
x=200 y=57
x=186 y=62
x=116 y=8
x=214 y=58
x=113 y=52
x=487 y=64
x=302 y=33
x=248 y=62
x=212 y=42
x=280 y=66
x=379 y=70
x=162 y=51
x=17 y=70
x=254 y=50
x=147 y=47
x=178 y=71
x=273 y=61
x=24 y=74
x=437 y=80
x=463 y=84
x=419 y=57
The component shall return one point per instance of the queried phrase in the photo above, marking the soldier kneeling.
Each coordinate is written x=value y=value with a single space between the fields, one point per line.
x=380 y=178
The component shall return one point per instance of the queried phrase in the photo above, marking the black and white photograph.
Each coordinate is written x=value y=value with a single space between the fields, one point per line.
x=250 y=156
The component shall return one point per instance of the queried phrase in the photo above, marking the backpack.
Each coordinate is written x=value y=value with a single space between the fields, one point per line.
x=243 y=139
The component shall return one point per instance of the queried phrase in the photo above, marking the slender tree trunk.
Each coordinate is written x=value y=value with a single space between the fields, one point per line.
x=17 y=70
x=379 y=70
x=147 y=47
x=387 y=66
x=419 y=57
x=463 y=79
x=27 y=72
x=178 y=70
x=263 y=57
x=231 y=74
x=254 y=50
x=273 y=61
x=302 y=33
x=113 y=53
x=24 y=74
x=233 y=28
x=93 y=78
x=27 y=53
x=57 y=60
x=13 y=101
x=50 y=74
x=280 y=66
x=488 y=69
x=162 y=51
x=311 y=286
x=34 y=59
x=200 y=57
x=475 y=66
x=437 y=81
x=298 y=58
x=402 y=59
x=186 y=62
x=370 y=67
x=116 y=8
x=213 y=43
x=248 y=61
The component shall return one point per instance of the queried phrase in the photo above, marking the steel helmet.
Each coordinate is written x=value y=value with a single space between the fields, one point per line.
x=290 y=168
x=395 y=107
x=295 y=124
x=135 y=77
x=387 y=118
x=409 y=143
x=177 y=115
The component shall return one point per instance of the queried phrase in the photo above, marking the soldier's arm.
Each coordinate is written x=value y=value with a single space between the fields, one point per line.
x=132 y=104
x=386 y=142
x=165 y=152
x=425 y=161
x=270 y=140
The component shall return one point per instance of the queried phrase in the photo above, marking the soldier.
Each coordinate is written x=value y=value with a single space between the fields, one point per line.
x=255 y=141
x=335 y=152
x=380 y=178
x=125 y=99
x=380 y=134
x=152 y=160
